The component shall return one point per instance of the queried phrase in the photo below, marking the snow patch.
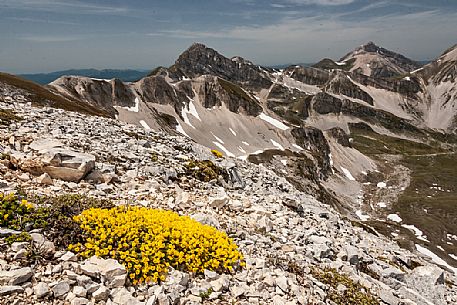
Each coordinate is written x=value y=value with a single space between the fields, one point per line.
x=245 y=143
x=347 y=173
x=134 y=108
x=297 y=147
x=381 y=185
x=145 y=125
x=242 y=150
x=225 y=150
x=181 y=130
x=453 y=256
x=435 y=258
x=381 y=204
x=419 y=234
x=284 y=162
x=276 y=144
x=394 y=218
x=362 y=216
x=217 y=138
x=273 y=121
x=232 y=131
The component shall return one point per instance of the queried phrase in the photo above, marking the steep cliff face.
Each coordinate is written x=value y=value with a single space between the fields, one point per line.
x=200 y=60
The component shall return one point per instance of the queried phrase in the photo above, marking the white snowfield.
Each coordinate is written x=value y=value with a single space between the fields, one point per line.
x=347 y=173
x=145 y=125
x=435 y=258
x=394 y=218
x=273 y=121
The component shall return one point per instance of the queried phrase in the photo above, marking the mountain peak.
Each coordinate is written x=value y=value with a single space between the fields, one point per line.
x=373 y=60
x=370 y=47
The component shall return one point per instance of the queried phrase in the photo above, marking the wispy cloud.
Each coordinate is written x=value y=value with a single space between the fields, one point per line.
x=38 y=20
x=321 y=2
x=59 y=6
x=51 y=38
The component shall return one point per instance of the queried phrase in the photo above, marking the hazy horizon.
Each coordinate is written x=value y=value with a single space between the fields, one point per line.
x=41 y=36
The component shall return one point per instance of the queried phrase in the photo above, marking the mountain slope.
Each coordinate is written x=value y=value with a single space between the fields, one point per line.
x=439 y=79
x=332 y=132
x=375 y=61
x=124 y=75
x=40 y=96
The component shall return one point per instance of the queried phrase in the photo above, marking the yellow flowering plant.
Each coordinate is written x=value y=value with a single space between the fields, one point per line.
x=149 y=241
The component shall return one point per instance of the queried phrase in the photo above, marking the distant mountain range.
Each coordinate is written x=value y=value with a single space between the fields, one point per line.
x=124 y=75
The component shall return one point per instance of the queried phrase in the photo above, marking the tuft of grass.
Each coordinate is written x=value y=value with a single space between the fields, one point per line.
x=7 y=116
x=204 y=170
x=355 y=293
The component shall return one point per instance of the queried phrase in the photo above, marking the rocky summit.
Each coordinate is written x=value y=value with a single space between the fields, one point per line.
x=319 y=175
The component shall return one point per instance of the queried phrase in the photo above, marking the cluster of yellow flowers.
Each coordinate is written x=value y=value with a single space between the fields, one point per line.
x=217 y=153
x=149 y=241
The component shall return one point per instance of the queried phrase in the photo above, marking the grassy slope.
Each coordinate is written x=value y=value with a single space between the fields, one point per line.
x=421 y=204
x=40 y=96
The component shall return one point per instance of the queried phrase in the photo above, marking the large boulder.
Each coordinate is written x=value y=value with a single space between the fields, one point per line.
x=67 y=165
x=56 y=161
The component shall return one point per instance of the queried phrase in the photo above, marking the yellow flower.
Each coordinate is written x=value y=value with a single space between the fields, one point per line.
x=149 y=241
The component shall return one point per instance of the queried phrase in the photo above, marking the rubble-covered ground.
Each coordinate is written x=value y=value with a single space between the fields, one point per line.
x=297 y=250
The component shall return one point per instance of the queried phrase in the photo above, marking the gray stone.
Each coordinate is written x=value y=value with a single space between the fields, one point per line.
x=210 y=275
x=7 y=232
x=101 y=294
x=67 y=165
x=281 y=282
x=79 y=301
x=60 y=290
x=352 y=254
x=41 y=289
x=7 y=290
x=16 y=246
x=394 y=273
x=80 y=291
x=16 y=276
x=68 y=257
x=45 y=179
x=206 y=219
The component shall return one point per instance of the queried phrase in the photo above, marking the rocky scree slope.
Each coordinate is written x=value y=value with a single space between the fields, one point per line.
x=331 y=132
x=297 y=249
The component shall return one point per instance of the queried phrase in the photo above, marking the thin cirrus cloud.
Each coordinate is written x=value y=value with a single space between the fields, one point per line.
x=321 y=2
x=61 y=6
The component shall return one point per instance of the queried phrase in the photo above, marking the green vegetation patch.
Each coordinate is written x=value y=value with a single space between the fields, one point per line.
x=353 y=294
x=54 y=215
x=204 y=170
x=236 y=90
x=7 y=116
x=372 y=143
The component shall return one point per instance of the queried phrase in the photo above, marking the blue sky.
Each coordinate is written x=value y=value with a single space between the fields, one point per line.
x=49 y=35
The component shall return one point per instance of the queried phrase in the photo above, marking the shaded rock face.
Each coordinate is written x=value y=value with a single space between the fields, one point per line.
x=340 y=136
x=324 y=103
x=292 y=105
x=201 y=60
x=341 y=84
x=408 y=88
x=100 y=93
x=314 y=141
x=310 y=76
x=215 y=92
